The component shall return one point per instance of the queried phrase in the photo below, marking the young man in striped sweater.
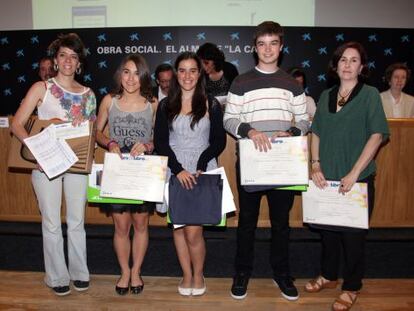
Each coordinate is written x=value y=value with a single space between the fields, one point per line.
x=264 y=103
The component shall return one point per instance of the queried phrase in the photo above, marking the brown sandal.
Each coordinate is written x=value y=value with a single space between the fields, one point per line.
x=344 y=305
x=318 y=284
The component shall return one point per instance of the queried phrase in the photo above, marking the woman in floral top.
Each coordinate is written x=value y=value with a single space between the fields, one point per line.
x=61 y=97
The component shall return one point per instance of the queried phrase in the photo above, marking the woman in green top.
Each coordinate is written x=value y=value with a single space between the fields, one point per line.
x=348 y=128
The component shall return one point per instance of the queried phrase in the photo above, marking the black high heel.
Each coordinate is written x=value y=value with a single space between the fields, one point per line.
x=121 y=290
x=137 y=289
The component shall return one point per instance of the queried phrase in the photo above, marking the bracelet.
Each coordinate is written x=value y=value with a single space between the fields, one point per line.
x=108 y=145
x=149 y=148
x=294 y=131
x=315 y=161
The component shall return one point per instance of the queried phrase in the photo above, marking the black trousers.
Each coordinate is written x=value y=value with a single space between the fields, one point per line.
x=352 y=244
x=280 y=203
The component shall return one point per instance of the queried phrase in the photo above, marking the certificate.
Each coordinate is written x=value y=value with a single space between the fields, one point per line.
x=94 y=188
x=68 y=131
x=140 y=178
x=329 y=207
x=53 y=155
x=227 y=199
x=285 y=164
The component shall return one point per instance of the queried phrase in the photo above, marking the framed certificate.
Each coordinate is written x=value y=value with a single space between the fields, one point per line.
x=140 y=178
x=285 y=164
x=329 y=207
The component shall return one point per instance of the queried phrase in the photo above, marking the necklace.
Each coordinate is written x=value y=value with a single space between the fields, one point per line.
x=343 y=99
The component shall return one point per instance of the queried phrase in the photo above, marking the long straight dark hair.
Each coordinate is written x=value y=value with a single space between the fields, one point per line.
x=198 y=101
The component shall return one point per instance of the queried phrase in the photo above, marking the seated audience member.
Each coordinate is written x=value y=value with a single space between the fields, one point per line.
x=219 y=74
x=163 y=74
x=300 y=77
x=396 y=103
x=230 y=71
x=46 y=70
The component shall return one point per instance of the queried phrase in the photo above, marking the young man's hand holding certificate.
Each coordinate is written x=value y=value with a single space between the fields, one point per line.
x=285 y=163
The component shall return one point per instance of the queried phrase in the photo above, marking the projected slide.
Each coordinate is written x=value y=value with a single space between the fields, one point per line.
x=89 y=16
x=123 y=13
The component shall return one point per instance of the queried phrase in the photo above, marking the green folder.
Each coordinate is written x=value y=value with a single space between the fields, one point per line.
x=94 y=197
x=295 y=187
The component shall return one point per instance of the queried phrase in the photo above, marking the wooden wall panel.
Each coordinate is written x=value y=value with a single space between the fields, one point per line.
x=394 y=195
x=17 y=201
x=394 y=204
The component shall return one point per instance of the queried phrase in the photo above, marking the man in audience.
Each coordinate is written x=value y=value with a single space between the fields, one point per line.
x=163 y=74
x=46 y=68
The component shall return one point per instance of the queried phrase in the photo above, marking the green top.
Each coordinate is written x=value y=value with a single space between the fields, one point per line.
x=343 y=134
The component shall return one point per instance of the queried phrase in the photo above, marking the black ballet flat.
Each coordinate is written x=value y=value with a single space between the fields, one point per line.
x=121 y=290
x=137 y=289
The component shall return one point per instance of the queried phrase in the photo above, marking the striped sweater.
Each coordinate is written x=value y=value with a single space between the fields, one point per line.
x=267 y=102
